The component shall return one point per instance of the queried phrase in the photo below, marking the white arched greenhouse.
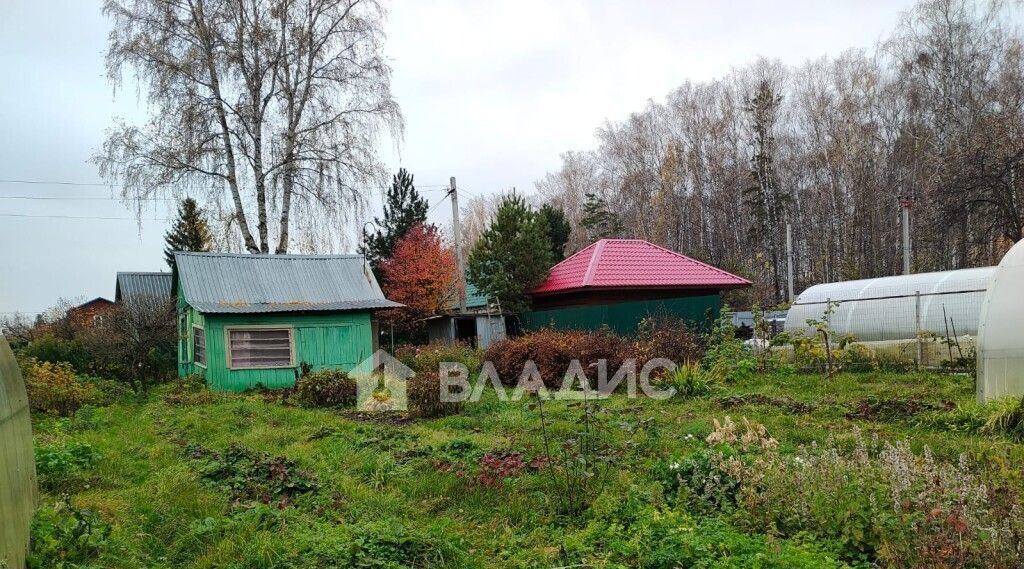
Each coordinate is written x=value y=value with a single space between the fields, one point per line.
x=944 y=304
x=1001 y=330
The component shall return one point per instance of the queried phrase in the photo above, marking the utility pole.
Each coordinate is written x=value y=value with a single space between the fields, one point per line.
x=457 y=239
x=905 y=204
x=789 y=258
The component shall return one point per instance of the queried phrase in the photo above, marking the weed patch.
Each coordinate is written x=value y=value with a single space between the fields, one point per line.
x=66 y=537
x=876 y=409
x=252 y=476
x=787 y=404
x=60 y=467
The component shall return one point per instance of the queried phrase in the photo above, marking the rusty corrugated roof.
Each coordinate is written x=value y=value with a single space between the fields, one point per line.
x=242 y=283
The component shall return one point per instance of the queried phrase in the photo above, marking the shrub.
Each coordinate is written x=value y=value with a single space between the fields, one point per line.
x=576 y=461
x=325 y=388
x=60 y=466
x=56 y=350
x=670 y=338
x=858 y=357
x=726 y=357
x=429 y=358
x=553 y=352
x=108 y=391
x=65 y=537
x=137 y=340
x=54 y=388
x=424 y=396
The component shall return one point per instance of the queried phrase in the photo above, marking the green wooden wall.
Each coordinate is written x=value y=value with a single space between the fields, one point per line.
x=323 y=340
x=624 y=317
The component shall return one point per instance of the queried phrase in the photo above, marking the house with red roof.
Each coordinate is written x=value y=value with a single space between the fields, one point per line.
x=620 y=282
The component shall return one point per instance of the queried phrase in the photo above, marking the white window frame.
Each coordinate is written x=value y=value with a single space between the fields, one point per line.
x=206 y=346
x=264 y=328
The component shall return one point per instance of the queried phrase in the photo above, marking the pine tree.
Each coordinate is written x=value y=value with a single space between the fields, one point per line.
x=512 y=255
x=599 y=221
x=190 y=232
x=404 y=209
x=558 y=230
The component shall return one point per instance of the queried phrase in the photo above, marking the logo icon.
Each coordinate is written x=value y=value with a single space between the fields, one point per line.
x=381 y=383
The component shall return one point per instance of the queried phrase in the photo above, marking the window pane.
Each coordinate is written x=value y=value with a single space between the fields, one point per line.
x=261 y=348
x=199 y=345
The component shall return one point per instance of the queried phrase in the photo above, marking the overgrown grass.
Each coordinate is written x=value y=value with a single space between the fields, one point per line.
x=410 y=495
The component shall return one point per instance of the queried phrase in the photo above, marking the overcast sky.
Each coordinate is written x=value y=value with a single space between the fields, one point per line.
x=492 y=93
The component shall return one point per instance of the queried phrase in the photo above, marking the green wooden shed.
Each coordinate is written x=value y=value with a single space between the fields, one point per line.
x=247 y=320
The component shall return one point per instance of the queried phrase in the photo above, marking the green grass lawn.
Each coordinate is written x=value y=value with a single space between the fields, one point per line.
x=405 y=494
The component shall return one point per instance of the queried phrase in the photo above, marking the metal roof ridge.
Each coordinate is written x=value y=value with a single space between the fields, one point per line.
x=588 y=277
x=267 y=255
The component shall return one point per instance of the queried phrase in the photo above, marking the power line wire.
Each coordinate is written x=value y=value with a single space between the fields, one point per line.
x=426 y=187
x=57 y=198
x=83 y=217
x=437 y=203
x=54 y=182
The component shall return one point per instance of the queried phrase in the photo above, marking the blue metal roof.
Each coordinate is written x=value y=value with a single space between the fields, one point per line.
x=137 y=285
x=243 y=283
x=474 y=298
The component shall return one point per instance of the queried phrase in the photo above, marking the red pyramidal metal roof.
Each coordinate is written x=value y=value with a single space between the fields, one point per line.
x=633 y=263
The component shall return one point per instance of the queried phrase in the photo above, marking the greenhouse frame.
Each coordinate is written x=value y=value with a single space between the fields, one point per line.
x=943 y=304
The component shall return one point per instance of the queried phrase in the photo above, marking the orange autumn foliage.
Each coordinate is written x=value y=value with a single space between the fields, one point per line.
x=420 y=274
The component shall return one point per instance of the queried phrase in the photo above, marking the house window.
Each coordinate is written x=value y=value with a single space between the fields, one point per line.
x=260 y=348
x=199 y=345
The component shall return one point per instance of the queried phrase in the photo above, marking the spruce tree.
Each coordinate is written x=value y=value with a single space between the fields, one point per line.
x=403 y=209
x=599 y=221
x=768 y=202
x=512 y=255
x=190 y=232
x=558 y=230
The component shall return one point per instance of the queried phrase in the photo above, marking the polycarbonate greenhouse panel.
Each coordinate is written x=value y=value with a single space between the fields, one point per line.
x=895 y=308
x=1001 y=331
x=17 y=463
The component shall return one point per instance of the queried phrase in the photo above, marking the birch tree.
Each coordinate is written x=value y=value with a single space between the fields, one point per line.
x=271 y=108
x=934 y=112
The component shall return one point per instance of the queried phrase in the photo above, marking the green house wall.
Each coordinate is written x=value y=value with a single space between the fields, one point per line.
x=624 y=317
x=338 y=340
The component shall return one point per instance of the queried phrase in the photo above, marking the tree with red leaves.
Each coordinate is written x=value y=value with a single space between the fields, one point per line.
x=420 y=274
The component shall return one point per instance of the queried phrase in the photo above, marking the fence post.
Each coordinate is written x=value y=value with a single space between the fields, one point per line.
x=917 y=327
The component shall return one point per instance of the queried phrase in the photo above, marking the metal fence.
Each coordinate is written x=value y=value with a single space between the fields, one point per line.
x=17 y=463
x=928 y=326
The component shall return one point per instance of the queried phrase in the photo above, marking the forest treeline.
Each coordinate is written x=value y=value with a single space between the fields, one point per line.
x=934 y=114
